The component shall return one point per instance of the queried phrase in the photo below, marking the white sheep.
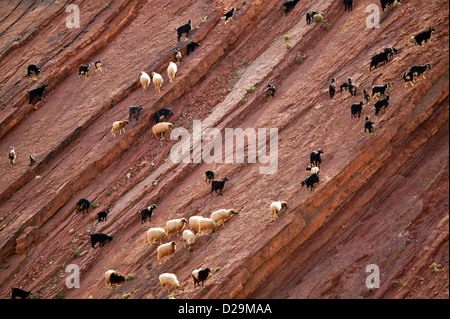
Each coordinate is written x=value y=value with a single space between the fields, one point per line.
x=276 y=207
x=165 y=250
x=206 y=224
x=168 y=279
x=188 y=238
x=155 y=235
x=118 y=126
x=161 y=128
x=223 y=215
x=112 y=277
x=157 y=81
x=145 y=80
x=175 y=225
x=193 y=223
x=171 y=71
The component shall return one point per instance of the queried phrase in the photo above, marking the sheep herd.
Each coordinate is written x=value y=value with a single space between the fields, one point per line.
x=199 y=225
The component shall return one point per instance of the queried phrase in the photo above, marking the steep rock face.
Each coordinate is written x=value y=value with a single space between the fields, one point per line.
x=381 y=199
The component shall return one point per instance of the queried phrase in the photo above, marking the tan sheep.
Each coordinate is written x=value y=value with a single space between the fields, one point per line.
x=188 y=238
x=276 y=207
x=145 y=80
x=165 y=250
x=168 y=279
x=156 y=235
x=223 y=215
x=193 y=223
x=171 y=71
x=157 y=81
x=161 y=128
x=119 y=126
x=205 y=224
x=175 y=225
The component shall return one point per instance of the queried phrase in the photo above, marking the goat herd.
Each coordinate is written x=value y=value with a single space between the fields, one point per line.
x=197 y=223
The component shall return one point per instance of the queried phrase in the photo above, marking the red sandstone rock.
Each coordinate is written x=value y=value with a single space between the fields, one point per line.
x=28 y=237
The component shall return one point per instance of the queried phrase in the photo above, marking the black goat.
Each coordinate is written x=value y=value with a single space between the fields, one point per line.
x=99 y=238
x=191 y=47
x=289 y=5
x=310 y=15
x=209 y=176
x=161 y=115
x=348 y=5
x=217 y=186
x=102 y=216
x=134 y=111
x=351 y=87
x=384 y=3
x=379 y=90
x=115 y=279
x=83 y=205
x=379 y=58
x=344 y=86
x=392 y=51
x=19 y=293
x=185 y=28
x=229 y=15
x=382 y=105
x=315 y=158
x=33 y=69
x=270 y=92
x=200 y=276
x=83 y=70
x=356 y=109
x=332 y=88
x=366 y=96
x=32 y=160
x=310 y=181
x=408 y=77
x=147 y=212
x=38 y=92
x=423 y=37
x=382 y=57
x=369 y=127
x=418 y=70
x=98 y=66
